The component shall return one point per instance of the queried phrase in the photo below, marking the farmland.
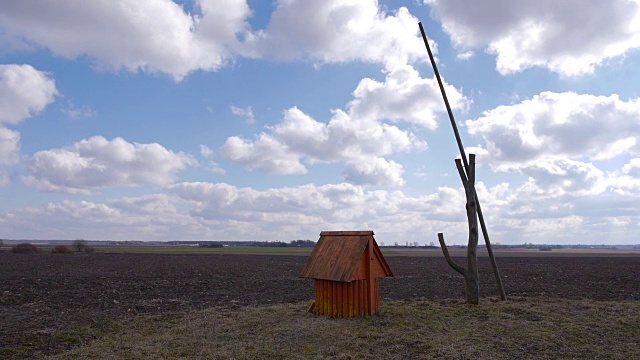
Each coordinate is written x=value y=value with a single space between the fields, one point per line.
x=52 y=303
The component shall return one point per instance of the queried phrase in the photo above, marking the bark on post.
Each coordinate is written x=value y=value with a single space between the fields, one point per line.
x=470 y=273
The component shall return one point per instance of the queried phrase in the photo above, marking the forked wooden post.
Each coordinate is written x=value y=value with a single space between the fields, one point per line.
x=483 y=226
x=470 y=273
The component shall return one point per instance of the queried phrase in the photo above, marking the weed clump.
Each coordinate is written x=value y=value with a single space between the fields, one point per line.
x=25 y=248
x=62 y=249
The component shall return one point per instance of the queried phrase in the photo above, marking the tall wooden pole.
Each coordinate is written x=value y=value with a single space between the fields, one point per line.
x=485 y=233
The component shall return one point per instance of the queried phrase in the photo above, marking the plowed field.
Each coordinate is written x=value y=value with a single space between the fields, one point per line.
x=43 y=294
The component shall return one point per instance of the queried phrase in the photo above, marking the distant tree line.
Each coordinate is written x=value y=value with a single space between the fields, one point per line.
x=293 y=243
x=212 y=244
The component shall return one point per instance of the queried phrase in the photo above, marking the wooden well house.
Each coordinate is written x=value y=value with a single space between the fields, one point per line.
x=346 y=266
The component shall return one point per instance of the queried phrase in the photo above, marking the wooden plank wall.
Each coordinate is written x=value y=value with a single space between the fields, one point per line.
x=346 y=299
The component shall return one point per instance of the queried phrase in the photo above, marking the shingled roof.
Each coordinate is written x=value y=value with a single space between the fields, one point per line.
x=343 y=256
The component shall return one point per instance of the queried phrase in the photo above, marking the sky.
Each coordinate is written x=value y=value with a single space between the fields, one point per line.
x=275 y=120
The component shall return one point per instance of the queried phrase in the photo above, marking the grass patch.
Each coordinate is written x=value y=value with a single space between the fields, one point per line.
x=204 y=250
x=523 y=328
x=200 y=250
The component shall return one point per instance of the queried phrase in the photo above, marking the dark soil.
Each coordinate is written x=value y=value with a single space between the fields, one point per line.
x=42 y=295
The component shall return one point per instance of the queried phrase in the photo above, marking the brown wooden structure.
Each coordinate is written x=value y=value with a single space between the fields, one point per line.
x=346 y=266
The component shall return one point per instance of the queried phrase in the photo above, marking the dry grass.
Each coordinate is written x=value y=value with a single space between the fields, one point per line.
x=524 y=328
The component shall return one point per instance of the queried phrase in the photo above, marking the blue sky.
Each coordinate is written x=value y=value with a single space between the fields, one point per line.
x=254 y=120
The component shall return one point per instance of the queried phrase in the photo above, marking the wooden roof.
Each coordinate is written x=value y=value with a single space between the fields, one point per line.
x=344 y=256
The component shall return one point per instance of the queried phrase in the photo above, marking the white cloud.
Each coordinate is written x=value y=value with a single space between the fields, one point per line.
x=24 y=92
x=559 y=125
x=377 y=171
x=160 y=36
x=212 y=166
x=264 y=154
x=4 y=179
x=246 y=113
x=9 y=147
x=359 y=137
x=220 y=211
x=568 y=37
x=149 y=35
x=564 y=175
x=553 y=139
x=632 y=168
x=151 y=217
x=465 y=55
x=74 y=112
x=405 y=96
x=97 y=163
x=308 y=208
x=340 y=31
x=299 y=137
x=206 y=151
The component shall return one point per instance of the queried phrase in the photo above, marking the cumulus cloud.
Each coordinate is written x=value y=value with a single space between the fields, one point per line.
x=149 y=35
x=246 y=113
x=212 y=166
x=568 y=37
x=223 y=211
x=555 y=139
x=559 y=125
x=465 y=55
x=377 y=171
x=24 y=92
x=340 y=31
x=76 y=113
x=406 y=96
x=265 y=154
x=150 y=217
x=160 y=36
x=357 y=136
x=206 y=151
x=632 y=168
x=565 y=175
x=533 y=212
x=307 y=208
x=97 y=163
x=9 y=147
x=9 y=153
x=299 y=137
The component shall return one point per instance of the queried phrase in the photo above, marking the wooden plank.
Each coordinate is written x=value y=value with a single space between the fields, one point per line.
x=376 y=298
x=350 y=297
x=319 y=297
x=327 y=297
x=362 y=297
x=356 y=301
x=326 y=300
x=365 y=295
x=339 y=299
x=334 y=298
x=345 y=300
